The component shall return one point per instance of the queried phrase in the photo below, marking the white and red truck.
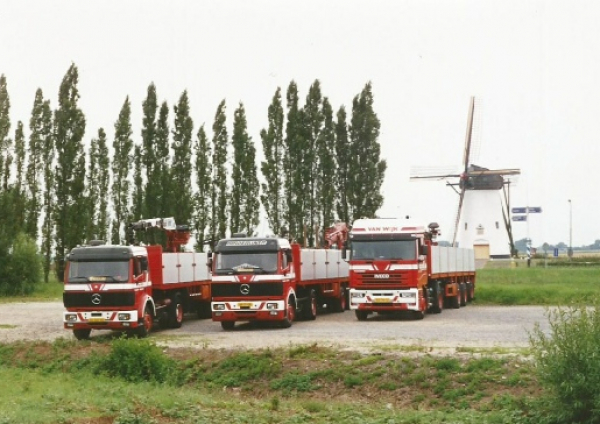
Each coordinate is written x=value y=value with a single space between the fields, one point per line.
x=127 y=288
x=398 y=266
x=271 y=279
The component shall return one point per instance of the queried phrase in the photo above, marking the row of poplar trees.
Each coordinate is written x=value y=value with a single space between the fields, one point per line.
x=318 y=168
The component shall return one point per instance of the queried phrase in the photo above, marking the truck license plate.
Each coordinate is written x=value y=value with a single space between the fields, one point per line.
x=97 y=321
x=245 y=305
x=383 y=300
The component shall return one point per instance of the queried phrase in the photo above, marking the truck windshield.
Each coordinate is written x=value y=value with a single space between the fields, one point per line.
x=99 y=271
x=405 y=250
x=246 y=262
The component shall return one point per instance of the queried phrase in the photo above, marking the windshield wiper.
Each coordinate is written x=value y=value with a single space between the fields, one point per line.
x=78 y=278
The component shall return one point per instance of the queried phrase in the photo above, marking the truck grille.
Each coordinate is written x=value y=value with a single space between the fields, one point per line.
x=253 y=289
x=394 y=280
x=72 y=300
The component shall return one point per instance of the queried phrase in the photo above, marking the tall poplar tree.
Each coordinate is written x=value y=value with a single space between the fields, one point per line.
x=218 y=221
x=364 y=134
x=272 y=197
x=93 y=191
x=137 y=195
x=121 y=168
x=103 y=184
x=48 y=156
x=313 y=125
x=293 y=145
x=181 y=169
x=244 y=188
x=149 y=153
x=203 y=168
x=343 y=156
x=20 y=204
x=5 y=141
x=70 y=208
x=326 y=170
x=163 y=169
x=38 y=133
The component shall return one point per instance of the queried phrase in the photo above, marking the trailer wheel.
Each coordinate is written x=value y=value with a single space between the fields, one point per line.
x=176 y=312
x=310 y=313
x=463 y=294
x=82 y=334
x=146 y=325
x=361 y=315
x=290 y=314
x=227 y=325
x=438 y=298
x=455 y=300
x=470 y=291
x=339 y=304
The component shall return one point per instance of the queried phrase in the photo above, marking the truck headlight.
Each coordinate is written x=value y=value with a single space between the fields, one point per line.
x=358 y=294
x=219 y=306
x=124 y=316
x=408 y=294
x=271 y=306
x=70 y=317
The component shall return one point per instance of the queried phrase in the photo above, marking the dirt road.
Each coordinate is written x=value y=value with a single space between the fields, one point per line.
x=470 y=327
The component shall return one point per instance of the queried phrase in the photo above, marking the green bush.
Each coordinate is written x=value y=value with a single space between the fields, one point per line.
x=135 y=360
x=568 y=362
x=23 y=267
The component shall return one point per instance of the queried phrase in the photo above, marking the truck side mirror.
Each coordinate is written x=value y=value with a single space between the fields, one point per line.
x=344 y=249
x=424 y=250
x=209 y=262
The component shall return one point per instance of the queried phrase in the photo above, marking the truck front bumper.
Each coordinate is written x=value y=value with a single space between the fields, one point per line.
x=109 y=320
x=384 y=300
x=254 y=310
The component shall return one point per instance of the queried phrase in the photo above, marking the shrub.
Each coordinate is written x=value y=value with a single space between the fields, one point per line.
x=136 y=360
x=23 y=268
x=568 y=362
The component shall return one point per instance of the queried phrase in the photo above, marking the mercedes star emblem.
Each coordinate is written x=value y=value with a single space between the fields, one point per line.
x=245 y=289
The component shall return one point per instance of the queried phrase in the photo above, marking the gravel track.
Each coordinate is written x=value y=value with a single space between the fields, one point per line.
x=475 y=327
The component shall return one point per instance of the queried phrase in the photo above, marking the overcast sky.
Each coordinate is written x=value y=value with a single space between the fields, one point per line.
x=535 y=65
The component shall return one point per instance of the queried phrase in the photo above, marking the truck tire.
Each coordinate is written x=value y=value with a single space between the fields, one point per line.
x=339 y=304
x=310 y=310
x=470 y=291
x=146 y=325
x=455 y=300
x=361 y=315
x=438 y=298
x=176 y=312
x=82 y=334
x=463 y=294
x=290 y=314
x=227 y=325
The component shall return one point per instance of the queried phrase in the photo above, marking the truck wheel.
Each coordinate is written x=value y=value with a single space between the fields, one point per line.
x=339 y=304
x=82 y=334
x=455 y=301
x=361 y=315
x=290 y=313
x=146 y=325
x=418 y=315
x=310 y=312
x=176 y=312
x=438 y=298
x=227 y=325
x=463 y=294
x=470 y=291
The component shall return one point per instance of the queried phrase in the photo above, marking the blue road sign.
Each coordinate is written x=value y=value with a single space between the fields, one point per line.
x=527 y=209
x=519 y=218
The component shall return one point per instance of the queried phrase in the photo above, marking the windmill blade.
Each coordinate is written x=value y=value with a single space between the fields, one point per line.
x=467 y=152
x=458 y=212
x=479 y=172
x=433 y=172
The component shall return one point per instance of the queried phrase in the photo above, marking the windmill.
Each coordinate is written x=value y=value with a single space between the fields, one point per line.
x=481 y=218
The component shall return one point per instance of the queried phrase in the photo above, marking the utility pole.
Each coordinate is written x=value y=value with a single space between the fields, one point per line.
x=570 y=251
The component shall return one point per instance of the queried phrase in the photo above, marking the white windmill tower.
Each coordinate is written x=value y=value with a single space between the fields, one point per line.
x=482 y=218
